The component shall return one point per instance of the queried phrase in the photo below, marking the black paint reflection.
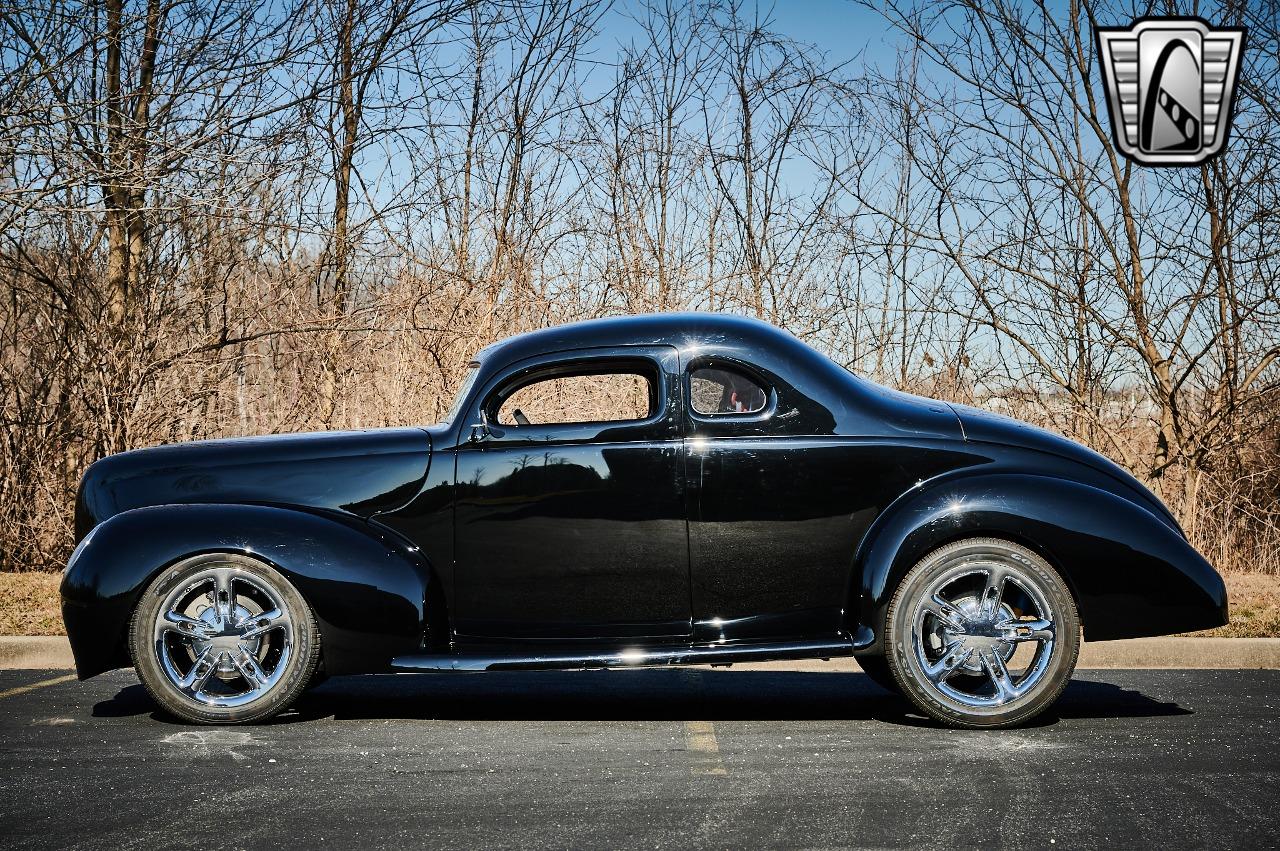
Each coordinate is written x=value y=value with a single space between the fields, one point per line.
x=579 y=540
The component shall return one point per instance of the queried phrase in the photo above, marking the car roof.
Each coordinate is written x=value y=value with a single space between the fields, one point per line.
x=826 y=398
x=681 y=330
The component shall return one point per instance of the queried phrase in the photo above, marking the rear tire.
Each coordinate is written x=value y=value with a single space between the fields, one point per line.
x=222 y=638
x=982 y=633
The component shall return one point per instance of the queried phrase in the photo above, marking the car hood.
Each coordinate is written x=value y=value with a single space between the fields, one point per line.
x=357 y=472
x=987 y=427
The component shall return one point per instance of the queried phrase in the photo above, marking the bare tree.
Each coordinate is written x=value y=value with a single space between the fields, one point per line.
x=249 y=216
x=779 y=107
x=651 y=177
x=119 y=122
x=1107 y=280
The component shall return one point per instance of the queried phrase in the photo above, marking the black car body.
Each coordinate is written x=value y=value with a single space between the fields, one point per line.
x=776 y=533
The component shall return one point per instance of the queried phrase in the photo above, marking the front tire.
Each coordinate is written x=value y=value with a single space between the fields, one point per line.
x=982 y=633
x=221 y=638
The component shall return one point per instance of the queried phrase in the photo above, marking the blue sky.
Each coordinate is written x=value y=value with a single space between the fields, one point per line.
x=841 y=28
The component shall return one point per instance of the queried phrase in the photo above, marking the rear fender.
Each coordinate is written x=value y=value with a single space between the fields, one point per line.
x=367 y=590
x=1130 y=572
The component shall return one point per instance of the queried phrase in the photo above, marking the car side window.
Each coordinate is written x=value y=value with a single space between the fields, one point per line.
x=716 y=390
x=584 y=397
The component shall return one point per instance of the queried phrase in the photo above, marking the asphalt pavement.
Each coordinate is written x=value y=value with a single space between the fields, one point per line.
x=646 y=759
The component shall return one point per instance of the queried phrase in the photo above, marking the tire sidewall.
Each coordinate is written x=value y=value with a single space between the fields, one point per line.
x=299 y=669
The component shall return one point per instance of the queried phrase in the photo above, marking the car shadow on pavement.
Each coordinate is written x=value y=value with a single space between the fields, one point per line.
x=644 y=695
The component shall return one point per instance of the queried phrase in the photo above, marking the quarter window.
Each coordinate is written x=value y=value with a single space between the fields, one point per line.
x=716 y=390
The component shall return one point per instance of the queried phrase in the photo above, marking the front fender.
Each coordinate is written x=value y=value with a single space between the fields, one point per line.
x=367 y=590
x=1130 y=572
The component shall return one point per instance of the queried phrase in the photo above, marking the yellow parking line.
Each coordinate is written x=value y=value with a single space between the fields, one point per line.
x=24 y=689
x=700 y=740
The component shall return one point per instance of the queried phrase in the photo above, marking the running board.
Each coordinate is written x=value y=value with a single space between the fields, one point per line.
x=560 y=659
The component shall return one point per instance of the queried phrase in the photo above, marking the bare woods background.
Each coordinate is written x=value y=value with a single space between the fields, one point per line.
x=243 y=216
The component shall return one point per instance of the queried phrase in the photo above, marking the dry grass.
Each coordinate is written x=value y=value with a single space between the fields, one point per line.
x=29 y=605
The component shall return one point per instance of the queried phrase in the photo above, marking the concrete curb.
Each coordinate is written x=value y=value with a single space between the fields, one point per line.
x=53 y=652
x=1182 y=653
x=35 y=651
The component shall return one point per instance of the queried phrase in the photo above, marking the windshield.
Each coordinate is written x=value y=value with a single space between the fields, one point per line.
x=463 y=392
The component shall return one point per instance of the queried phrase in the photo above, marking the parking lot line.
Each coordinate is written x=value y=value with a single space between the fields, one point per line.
x=33 y=686
x=700 y=740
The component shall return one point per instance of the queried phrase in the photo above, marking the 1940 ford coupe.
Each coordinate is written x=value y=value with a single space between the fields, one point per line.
x=656 y=490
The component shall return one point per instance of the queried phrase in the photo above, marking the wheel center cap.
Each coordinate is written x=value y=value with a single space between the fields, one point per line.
x=981 y=632
x=225 y=637
x=981 y=642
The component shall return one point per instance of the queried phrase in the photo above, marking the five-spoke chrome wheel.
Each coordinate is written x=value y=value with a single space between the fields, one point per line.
x=223 y=637
x=982 y=633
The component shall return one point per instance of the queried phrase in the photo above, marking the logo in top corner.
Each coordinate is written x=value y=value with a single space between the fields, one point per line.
x=1170 y=87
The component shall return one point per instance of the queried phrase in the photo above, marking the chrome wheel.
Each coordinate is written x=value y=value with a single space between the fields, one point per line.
x=982 y=633
x=968 y=626
x=223 y=636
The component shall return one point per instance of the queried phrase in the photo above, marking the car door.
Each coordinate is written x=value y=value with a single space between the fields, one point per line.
x=570 y=519
x=775 y=505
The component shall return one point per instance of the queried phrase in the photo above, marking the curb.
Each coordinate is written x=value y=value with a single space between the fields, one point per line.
x=1182 y=652
x=45 y=652
x=54 y=653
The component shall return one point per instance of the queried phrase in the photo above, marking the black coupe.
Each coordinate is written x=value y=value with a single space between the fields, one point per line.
x=655 y=490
